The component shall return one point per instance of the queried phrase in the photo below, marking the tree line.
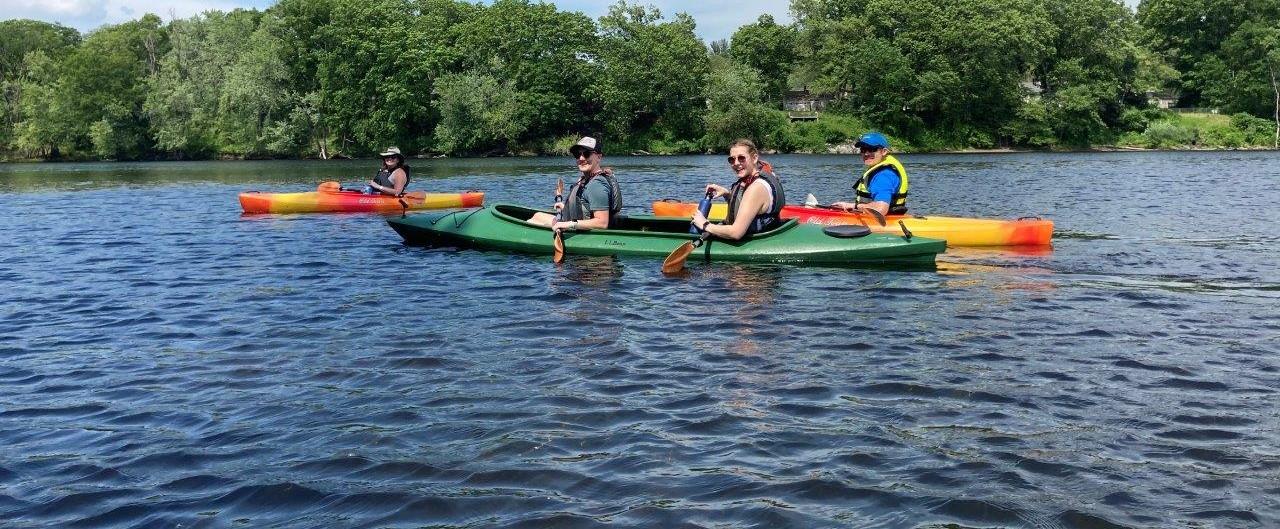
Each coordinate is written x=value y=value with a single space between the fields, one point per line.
x=326 y=78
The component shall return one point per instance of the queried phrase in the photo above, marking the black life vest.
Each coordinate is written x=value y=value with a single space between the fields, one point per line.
x=763 y=221
x=575 y=204
x=383 y=177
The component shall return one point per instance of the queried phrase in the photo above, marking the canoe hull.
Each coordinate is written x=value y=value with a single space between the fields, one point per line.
x=352 y=202
x=503 y=228
x=957 y=231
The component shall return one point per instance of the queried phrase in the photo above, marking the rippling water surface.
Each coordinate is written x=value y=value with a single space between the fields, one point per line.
x=166 y=362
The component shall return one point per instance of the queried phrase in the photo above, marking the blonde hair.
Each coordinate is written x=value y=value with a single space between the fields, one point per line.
x=743 y=142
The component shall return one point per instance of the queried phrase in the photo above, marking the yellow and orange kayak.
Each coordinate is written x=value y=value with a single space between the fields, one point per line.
x=957 y=231
x=328 y=198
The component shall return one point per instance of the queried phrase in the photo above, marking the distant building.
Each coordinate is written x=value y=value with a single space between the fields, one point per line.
x=804 y=101
x=803 y=105
x=1163 y=100
x=1031 y=90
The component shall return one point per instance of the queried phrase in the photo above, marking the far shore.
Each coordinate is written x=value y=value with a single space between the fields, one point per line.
x=834 y=150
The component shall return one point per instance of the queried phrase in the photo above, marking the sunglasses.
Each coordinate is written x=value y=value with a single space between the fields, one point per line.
x=581 y=154
x=868 y=150
x=741 y=158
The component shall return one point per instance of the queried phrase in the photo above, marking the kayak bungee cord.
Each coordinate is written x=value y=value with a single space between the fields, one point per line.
x=453 y=215
x=442 y=217
x=458 y=224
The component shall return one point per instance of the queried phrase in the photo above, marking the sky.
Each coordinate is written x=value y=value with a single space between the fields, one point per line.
x=717 y=19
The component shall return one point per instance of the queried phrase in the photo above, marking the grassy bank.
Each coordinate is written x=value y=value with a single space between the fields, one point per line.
x=1145 y=129
x=1169 y=130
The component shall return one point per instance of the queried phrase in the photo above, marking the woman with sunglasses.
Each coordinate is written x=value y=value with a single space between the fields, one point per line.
x=755 y=199
x=593 y=200
x=392 y=177
x=883 y=186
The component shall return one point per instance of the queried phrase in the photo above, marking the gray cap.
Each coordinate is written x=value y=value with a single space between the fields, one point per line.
x=587 y=143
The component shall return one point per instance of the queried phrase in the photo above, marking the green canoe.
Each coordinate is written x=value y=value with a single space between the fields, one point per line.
x=502 y=227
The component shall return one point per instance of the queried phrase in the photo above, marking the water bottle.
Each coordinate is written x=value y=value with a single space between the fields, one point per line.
x=704 y=206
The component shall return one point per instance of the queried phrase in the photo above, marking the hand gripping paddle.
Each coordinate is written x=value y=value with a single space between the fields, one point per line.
x=557 y=241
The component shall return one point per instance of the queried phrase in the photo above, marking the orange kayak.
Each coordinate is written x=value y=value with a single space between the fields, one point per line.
x=327 y=198
x=957 y=231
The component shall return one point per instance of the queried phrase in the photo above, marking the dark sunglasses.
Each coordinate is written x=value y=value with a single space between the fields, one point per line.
x=868 y=150
x=741 y=158
x=581 y=154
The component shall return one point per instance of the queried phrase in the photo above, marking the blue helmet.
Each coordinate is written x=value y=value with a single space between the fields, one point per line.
x=872 y=139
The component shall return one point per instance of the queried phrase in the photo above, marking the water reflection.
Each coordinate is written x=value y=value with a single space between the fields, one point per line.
x=597 y=272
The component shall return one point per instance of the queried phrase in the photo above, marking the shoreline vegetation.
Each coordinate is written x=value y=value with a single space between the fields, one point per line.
x=312 y=79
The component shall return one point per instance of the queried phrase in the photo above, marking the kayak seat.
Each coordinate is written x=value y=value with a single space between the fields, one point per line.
x=673 y=225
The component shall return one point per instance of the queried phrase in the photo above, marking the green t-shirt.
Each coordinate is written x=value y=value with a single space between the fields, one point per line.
x=594 y=198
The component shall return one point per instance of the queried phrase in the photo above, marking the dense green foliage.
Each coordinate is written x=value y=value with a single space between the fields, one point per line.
x=322 y=78
x=1226 y=51
x=771 y=50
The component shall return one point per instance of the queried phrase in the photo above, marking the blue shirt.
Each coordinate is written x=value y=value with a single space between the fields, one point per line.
x=884 y=183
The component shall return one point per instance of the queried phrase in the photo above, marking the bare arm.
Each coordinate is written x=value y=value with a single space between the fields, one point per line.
x=753 y=202
x=599 y=220
x=882 y=207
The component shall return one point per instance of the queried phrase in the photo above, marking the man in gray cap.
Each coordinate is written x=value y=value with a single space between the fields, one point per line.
x=593 y=200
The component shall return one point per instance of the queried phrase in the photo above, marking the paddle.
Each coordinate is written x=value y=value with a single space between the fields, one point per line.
x=812 y=202
x=557 y=243
x=674 y=263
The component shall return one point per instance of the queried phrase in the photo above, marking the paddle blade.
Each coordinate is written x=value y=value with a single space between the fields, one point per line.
x=557 y=244
x=810 y=200
x=559 y=189
x=329 y=187
x=675 y=262
x=879 y=217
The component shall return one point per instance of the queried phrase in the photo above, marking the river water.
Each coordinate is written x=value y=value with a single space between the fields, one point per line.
x=168 y=362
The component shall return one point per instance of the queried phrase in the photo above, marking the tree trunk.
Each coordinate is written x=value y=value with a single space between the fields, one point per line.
x=323 y=141
x=153 y=64
x=1275 y=88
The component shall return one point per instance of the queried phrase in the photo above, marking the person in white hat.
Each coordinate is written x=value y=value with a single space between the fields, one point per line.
x=592 y=201
x=392 y=178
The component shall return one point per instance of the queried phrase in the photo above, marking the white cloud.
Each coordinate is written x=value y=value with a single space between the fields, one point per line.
x=717 y=19
x=53 y=10
x=86 y=15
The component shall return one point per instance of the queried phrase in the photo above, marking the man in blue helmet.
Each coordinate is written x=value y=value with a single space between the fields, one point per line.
x=883 y=186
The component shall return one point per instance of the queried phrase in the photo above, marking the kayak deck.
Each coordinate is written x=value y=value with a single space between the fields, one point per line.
x=503 y=227
x=957 y=231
